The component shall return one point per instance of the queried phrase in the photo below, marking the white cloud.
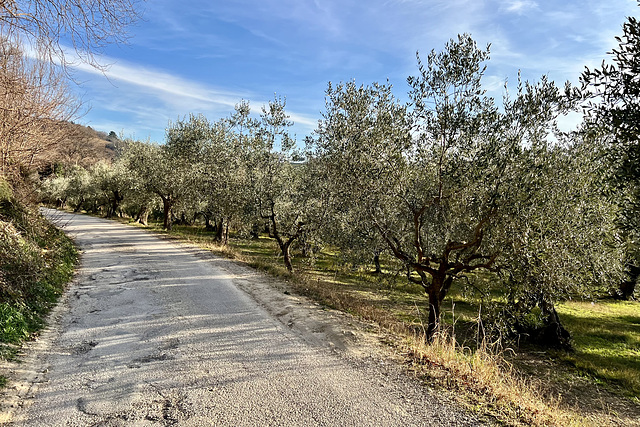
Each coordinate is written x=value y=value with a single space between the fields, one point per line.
x=149 y=98
x=519 y=7
x=165 y=83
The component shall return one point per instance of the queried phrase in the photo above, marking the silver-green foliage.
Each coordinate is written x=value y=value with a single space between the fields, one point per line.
x=278 y=183
x=454 y=185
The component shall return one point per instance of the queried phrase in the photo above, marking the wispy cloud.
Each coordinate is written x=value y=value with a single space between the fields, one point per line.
x=203 y=57
x=148 y=98
x=164 y=83
x=519 y=7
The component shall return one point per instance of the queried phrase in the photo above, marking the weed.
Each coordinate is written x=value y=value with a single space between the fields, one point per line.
x=14 y=327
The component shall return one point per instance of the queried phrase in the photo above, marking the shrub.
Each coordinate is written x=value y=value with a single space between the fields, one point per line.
x=37 y=261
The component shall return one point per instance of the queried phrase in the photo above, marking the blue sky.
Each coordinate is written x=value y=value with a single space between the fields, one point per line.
x=197 y=56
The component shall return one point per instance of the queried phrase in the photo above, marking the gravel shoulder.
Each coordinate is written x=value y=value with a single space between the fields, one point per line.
x=156 y=332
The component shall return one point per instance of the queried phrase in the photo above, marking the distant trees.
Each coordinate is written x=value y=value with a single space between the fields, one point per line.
x=276 y=181
x=34 y=102
x=34 y=99
x=112 y=182
x=359 y=150
x=225 y=196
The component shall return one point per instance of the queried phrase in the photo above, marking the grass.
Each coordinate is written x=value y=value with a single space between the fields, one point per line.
x=493 y=381
x=606 y=337
x=38 y=261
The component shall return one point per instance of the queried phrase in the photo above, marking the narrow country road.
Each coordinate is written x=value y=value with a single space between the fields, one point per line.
x=151 y=334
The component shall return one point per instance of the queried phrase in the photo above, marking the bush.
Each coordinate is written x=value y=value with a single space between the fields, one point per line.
x=37 y=261
x=14 y=326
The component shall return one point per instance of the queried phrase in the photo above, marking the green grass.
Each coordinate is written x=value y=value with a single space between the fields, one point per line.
x=14 y=325
x=38 y=261
x=606 y=339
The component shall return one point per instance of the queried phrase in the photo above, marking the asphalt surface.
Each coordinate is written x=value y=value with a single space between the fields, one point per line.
x=151 y=334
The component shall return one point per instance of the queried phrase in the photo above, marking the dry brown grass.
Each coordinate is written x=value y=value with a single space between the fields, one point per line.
x=480 y=378
x=488 y=383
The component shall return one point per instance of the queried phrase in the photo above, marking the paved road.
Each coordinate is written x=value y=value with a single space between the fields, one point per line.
x=153 y=335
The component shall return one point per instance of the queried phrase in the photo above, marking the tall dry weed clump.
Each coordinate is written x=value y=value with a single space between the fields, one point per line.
x=492 y=382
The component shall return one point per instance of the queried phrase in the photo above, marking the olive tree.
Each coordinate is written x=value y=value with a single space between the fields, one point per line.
x=225 y=195
x=559 y=238
x=413 y=174
x=79 y=186
x=440 y=180
x=276 y=178
x=612 y=92
x=114 y=182
x=155 y=173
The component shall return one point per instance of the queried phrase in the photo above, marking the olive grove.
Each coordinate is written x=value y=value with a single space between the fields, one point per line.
x=452 y=186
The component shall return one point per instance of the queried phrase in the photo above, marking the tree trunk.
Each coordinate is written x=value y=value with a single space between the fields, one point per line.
x=207 y=222
x=553 y=333
x=115 y=203
x=143 y=215
x=220 y=230
x=109 y=213
x=376 y=262
x=627 y=288
x=284 y=245
x=79 y=205
x=434 y=311
x=287 y=256
x=166 y=207
x=255 y=231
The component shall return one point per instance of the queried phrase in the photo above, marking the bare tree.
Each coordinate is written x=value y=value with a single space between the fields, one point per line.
x=35 y=101
x=86 y=25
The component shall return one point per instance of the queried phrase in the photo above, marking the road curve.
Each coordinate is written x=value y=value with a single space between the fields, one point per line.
x=153 y=335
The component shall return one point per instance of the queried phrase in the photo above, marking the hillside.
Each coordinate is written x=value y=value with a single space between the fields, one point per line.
x=81 y=146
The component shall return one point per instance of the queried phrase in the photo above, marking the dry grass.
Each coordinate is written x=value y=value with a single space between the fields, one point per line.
x=480 y=377
x=490 y=385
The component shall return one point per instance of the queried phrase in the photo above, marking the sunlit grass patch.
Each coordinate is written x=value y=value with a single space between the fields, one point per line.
x=491 y=385
x=606 y=339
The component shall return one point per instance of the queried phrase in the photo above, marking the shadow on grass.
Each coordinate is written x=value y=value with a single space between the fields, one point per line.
x=607 y=349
